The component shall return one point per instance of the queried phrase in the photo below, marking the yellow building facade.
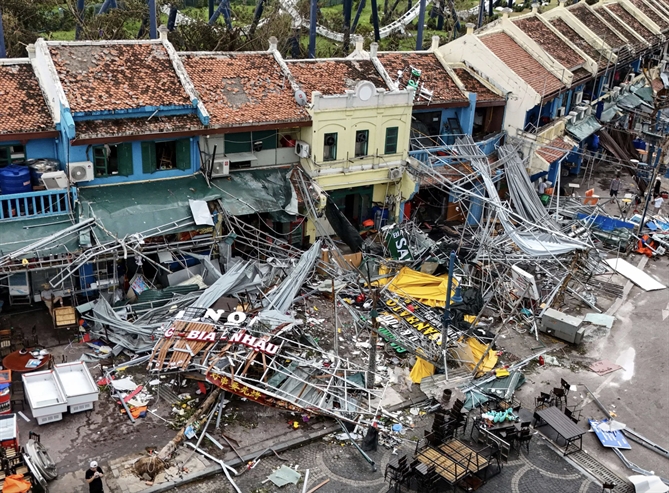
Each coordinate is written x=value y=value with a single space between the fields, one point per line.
x=356 y=150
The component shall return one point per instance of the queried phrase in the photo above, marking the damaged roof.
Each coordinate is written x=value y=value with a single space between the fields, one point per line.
x=125 y=127
x=330 y=77
x=522 y=63
x=575 y=38
x=23 y=108
x=629 y=21
x=434 y=76
x=243 y=89
x=650 y=12
x=592 y=22
x=473 y=84
x=620 y=26
x=117 y=76
x=555 y=149
x=549 y=41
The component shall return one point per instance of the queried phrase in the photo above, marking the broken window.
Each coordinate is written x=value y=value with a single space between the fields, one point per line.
x=391 y=140
x=361 y=142
x=330 y=147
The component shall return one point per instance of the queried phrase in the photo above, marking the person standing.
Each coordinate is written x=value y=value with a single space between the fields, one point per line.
x=94 y=477
x=615 y=186
x=49 y=298
x=657 y=188
x=657 y=203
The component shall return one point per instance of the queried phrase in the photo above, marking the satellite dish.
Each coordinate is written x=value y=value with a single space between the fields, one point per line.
x=300 y=97
x=364 y=90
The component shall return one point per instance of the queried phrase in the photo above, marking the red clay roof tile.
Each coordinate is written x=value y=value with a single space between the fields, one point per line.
x=120 y=127
x=123 y=76
x=243 y=89
x=630 y=21
x=575 y=38
x=555 y=149
x=331 y=77
x=646 y=9
x=522 y=63
x=433 y=75
x=620 y=27
x=472 y=84
x=22 y=105
x=549 y=41
x=597 y=26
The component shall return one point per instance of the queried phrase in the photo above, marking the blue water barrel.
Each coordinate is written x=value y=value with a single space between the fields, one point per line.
x=15 y=179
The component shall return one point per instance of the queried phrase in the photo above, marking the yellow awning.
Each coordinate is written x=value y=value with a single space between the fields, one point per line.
x=421 y=370
x=429 y=290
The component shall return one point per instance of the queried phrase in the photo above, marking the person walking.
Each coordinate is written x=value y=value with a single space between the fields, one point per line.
x=94 y=477
x=657 y=203
x=615 y=186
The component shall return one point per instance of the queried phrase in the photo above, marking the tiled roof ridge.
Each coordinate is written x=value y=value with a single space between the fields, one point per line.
x=564 y=54
x=548 y=84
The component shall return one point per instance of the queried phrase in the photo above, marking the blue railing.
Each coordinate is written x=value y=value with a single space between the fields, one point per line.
x=29 y=205
x=488 y=146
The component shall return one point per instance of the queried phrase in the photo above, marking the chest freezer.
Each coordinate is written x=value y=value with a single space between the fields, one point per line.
x=45 y=396
x=78 y=385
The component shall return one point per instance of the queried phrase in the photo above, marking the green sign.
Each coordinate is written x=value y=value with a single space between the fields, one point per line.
x=398 y=245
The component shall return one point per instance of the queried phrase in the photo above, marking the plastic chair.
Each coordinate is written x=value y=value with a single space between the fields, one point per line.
x=559 y=397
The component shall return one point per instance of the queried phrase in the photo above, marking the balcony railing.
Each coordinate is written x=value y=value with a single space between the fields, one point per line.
x=30 y=205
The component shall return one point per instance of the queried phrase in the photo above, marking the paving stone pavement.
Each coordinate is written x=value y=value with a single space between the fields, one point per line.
x=541 y=470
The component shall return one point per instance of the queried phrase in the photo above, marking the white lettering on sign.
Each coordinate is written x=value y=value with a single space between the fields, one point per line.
x=240 y=337
x=237 y=318
x=215 y=315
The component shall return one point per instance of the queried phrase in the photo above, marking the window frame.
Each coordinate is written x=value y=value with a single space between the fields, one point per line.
x=332 y=150
x=8 y=149
x=393 y=146
x=365 y=144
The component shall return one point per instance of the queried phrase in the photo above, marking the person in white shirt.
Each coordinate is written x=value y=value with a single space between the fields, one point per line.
x=657 y=203
x=49 y=298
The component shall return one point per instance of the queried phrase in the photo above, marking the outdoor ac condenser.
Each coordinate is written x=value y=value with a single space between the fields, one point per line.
x=302 y=149
x=221 y=167
x=394 y=173
x=55 y=180
x=562 y=326
x=81 y=171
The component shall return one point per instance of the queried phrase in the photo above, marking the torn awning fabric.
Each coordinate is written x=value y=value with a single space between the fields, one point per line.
x=130 y=208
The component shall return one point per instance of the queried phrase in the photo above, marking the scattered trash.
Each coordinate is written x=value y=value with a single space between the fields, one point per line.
x=284 y=475
x=604 y=366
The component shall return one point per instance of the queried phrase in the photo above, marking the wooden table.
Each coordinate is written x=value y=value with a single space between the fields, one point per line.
x=17 y=362
x=464 y=455
x=562 y=425
x=453 y=460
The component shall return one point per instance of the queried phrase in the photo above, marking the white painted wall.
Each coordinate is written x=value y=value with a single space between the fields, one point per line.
x=521 y=97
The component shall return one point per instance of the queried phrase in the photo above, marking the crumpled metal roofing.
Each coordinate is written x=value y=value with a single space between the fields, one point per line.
x=239 y=277
x=282 y=297
x=136 y=207
x=583 y=129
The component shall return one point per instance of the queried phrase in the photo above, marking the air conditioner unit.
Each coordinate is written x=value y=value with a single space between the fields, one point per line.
x=615 y=93
x=221 y=167
x=579 y=97
x=395 y=173
x=81 y=171
x=302 y=149
x=561 y=111
x=55 y=180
